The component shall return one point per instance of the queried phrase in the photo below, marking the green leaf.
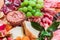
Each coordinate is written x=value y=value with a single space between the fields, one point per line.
x=49 y=38
x=54 y=26
x=40 y=38
x=37 y=26
x=45 y=34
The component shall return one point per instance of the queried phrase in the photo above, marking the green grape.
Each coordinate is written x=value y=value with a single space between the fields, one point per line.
x=34 y=0
x=20 y=9
x=32 y=3
x=41 y=14
x=40 y=1
x=38 y=6
x=24 y=9
x=26 y=2
x=37 y=14
x=38 y=10
x=22 y=4
x=30 y=0
x=42 y=5
x=28 y=14
x=34 y=8
x=33 y=12
x=29 y=8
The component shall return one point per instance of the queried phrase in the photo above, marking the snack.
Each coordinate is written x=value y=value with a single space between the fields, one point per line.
x=30 y=31
x=17 y=32
x=29 y=19
x=15 y=17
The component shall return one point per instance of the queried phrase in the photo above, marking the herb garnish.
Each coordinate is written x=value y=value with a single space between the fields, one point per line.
x=45 y=33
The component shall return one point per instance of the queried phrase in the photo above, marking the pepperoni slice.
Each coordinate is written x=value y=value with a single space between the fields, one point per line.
x=15 y=17
x=1 y=3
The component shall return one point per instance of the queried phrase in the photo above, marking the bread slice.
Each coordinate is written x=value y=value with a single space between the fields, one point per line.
x=30 y=31
x=17 y=32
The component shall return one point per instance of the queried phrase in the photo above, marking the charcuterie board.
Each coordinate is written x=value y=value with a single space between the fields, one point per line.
x=29 y=19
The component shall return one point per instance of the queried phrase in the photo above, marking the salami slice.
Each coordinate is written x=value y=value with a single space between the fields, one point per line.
x=15 y=17
x=56 y=35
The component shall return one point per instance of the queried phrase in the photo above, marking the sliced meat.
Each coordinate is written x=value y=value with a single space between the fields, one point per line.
x=57 y=10
x=10 y=5
x=1 y=3
x=15 y=17
x=56 y=35
x=52 y=3
x=49 y=7
x=50 y=11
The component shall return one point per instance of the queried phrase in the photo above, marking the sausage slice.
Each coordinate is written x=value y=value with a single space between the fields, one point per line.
x=15 y=17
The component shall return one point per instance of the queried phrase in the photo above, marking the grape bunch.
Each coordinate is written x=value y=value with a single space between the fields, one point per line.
x=32 y=7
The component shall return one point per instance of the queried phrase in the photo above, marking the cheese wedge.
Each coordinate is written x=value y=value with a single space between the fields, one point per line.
x=30 y=31
x=17 y=32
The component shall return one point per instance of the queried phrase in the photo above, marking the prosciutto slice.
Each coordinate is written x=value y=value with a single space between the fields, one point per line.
x=56 y=35
x=52 y=3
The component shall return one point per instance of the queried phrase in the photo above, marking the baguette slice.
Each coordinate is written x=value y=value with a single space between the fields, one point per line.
x=17 y=32
x=30 y=31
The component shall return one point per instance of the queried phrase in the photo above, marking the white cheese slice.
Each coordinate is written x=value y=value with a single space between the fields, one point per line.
x=17 y=32
x=33 y=31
